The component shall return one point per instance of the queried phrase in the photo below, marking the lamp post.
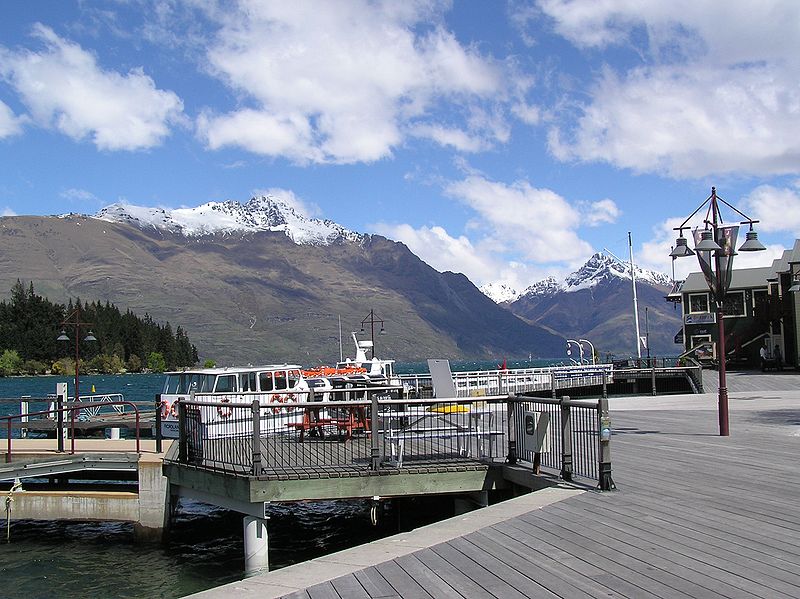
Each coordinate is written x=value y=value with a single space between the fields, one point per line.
x=372 y=320
x=74 y=320
x=580 y=349
x=714 y=248
x=591 y=348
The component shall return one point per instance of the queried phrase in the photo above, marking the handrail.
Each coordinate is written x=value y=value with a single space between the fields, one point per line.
x=246 y=441
x=72 y=407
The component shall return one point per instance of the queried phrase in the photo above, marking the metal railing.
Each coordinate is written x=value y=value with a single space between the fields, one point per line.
x=574 y=436
x=68 y=409
x=517 y=380
x=303 y=439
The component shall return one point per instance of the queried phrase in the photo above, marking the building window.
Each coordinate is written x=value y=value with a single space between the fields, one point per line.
x=698 y=302
x=760 y=303
x=733 y=305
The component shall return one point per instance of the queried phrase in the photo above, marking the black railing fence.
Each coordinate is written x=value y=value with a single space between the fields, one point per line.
x=373 y=432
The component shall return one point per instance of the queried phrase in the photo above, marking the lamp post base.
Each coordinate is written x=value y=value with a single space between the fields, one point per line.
x=723 y=412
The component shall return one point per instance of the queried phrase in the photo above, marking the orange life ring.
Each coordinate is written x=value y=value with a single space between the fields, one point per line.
x=168 y=409
x=277 y=399
x=224 y=411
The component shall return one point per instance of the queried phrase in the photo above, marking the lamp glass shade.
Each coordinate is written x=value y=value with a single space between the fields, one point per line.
x=62 y=336
x=752 y=244
x=707 y=243
x=90 y=337
x=681 y=249
x=794 y=288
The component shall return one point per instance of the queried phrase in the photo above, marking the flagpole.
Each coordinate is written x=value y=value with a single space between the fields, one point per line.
x=635 y=301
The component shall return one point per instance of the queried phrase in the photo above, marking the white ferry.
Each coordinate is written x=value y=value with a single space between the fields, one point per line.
x=272 y=385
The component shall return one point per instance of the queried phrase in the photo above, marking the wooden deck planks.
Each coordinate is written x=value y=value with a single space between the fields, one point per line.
x=696 y=515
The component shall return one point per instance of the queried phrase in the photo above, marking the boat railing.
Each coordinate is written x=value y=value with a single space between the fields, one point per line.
x=368 y=435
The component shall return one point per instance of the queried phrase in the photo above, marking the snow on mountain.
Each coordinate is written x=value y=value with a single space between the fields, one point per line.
x=265 y=213
x=548 y=286
x=499 y=293
x=598 y=268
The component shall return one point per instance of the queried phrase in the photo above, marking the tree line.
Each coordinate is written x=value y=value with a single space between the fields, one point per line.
x=31 y=324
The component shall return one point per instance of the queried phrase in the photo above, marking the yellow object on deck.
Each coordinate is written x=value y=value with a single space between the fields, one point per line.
x=449 y=409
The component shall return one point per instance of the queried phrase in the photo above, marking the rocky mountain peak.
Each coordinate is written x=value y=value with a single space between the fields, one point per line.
x=262 y=213
x=599 y=267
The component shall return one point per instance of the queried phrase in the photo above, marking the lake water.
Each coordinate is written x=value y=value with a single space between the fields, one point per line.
x=205 y=546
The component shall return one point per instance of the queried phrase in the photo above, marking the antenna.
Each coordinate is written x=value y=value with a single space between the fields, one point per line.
x=635 y=301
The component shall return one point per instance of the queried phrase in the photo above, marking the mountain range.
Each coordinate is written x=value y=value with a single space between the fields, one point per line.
x=261 y=282
x=264 y=282
x=596 y=303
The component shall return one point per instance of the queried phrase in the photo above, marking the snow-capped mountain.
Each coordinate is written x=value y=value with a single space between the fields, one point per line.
x=265 y=213
x=600 y=267
x=595 y=302
x=499 y=293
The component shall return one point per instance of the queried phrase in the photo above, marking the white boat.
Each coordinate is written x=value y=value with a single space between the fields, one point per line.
x=271 y=385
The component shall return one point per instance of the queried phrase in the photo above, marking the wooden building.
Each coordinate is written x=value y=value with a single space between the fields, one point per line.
x=760 y=310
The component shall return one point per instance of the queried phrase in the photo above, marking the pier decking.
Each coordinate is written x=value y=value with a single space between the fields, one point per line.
x=695 y=515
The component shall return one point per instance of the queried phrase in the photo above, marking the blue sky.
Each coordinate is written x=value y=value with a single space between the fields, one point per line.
x=505 y=140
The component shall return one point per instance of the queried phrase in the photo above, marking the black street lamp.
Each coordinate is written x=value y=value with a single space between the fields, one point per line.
x=74 y=320
x=717 y=241
x=372 y=320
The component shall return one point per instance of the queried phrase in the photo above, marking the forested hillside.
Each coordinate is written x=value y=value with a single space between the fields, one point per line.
x=31 y=324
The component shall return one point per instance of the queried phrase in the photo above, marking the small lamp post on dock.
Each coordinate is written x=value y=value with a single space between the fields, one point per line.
x=74 y=320
x=371 y=319
x=714 y=248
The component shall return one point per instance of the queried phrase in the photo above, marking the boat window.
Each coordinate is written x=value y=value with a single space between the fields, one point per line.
x=193 y=383
x=205 y=383
x=265 y=379
x=294 y=378
x=172 y=384
x=280 y=379
x=247 y=381
x=226 y=384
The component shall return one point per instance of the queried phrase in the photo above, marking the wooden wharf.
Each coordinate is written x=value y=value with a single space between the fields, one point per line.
x=694 y=515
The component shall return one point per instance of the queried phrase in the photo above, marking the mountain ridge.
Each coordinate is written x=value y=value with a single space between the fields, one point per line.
x=258 y=296
x=598 y=267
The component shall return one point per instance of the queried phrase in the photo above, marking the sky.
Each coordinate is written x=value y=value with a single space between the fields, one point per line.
x=505 y=140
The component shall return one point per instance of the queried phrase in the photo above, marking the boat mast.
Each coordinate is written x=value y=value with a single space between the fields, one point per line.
x=635 y=301
x=341 y=352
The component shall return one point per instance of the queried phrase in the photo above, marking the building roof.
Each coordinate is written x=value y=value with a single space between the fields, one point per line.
x=741 y=278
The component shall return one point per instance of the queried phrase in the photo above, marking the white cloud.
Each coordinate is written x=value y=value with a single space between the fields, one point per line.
x=456 y=138
x=301 y=206
x=712 y=97
x=777 y=209
x=7 y=212
x=9 y=123
x=530 y=115
x=602 y=212
x=80 y=195
x=690 y=122
x=436 y=247
x=64 y=87
x=442 y=251
x=537 y=223
x=346 y=82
